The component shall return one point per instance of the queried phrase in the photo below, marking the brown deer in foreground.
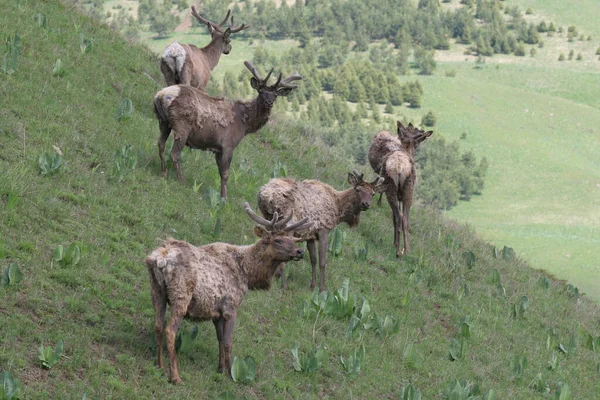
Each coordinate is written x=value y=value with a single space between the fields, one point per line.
x=323 y=205
x=210 y=282
x=204 y=122
x=394 y=158
x=189 y=65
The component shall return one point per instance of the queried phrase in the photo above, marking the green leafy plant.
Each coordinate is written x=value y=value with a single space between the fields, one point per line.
x=361 y=320
x=386 y=326
x=465 y=327
x=340 y=304
x=184 y=340
x=124 y=109
x=336 y=241
x=465 y=390
x=10 y=58
x=69 y=257
x=11 y=275
x=469 y=258
x=518 y=366
x=310 y=363
x=243 y=370
x=50 y=356
x=279 y=170
x=563 y=392
x=545 y=282
x=41 y=20
x=58 y=69
x=125 y=160
x=409 y=392
x=508 y=253
x=518 y=311
x=458 y=349
x=49 y=164
x=9 y=387
x=540 y=383
x=572 y=291
x=412 y=357
x=361 y=254
x=315 y=305
x=553 y=363
x=354 y=362
x=85 y=45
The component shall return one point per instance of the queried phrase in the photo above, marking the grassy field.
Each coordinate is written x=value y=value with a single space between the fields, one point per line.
x=452 y=289
x=536 y=120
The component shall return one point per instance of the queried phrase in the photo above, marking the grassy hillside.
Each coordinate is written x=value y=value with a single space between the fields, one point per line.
x=453 y=289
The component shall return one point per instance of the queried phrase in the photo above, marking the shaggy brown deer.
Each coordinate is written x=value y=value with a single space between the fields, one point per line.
x=394 y=158
x=204 y=122
x=323 y=205
x=189 y=65
x=210 y=281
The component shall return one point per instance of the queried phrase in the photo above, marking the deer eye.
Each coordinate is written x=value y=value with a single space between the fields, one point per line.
x=277 y=241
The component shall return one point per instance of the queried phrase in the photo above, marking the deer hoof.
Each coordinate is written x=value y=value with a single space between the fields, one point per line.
x=176 y=381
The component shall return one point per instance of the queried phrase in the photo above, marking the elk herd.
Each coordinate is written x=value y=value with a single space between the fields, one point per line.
x=209 y=282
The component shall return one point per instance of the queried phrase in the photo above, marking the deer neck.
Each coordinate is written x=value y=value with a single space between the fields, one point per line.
x=254 y=114
x=259 y=266
x=213 y=53
x=348 y=207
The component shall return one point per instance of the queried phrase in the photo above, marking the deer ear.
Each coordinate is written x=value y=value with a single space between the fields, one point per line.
x=254 y=83
x=226 y=33
x=210 y=28
x=399 y=126
x=352 y=179
x=283 y=91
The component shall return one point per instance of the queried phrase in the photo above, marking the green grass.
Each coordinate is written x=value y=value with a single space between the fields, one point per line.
x=101 y=307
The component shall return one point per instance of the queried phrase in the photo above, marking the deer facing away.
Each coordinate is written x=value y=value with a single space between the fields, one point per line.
x=394 y=158
x=204 y=122
x=323 y=205
x=209 y=282
x=190 y=65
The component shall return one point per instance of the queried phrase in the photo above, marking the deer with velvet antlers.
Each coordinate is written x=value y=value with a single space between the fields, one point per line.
x=394 y=158
x=210 y=123
x=209 y=282
x=189 y=65
x=323 y=205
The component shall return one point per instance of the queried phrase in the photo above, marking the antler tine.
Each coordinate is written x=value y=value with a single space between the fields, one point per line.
x=268 y=76
x=201 y=18
x=253 y=70
x=283 y=222
x=358 y=175
x=259 y=220
x=294 y=76
x=278 y=80
x=226 y=17
x=302 y=224
x=235 y=29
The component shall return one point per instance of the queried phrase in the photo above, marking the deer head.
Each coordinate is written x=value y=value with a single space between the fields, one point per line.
x=216 y=30
x=267 y=93
x=365 y=190
x=411 y=136
x=277 y=234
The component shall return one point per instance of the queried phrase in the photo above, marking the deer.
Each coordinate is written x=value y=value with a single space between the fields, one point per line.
x=323 y=205
x=209 y=282
x=394 y=158
x=211 y=123
x=189 y=65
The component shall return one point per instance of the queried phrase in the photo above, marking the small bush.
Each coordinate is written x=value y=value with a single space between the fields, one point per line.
x=429 y=119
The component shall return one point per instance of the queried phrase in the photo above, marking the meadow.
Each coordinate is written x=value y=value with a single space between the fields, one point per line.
x=457 y=318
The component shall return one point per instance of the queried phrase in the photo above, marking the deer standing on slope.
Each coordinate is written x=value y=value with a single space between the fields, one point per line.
x=210 y=282
x=210 y=123
x=323 y=205
x=394 y=158
x=187 y=64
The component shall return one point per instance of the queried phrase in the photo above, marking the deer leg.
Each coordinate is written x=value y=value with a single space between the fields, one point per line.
x=396 y=216
x=165 y=131
x=223 y=162
x=179 y=308
x=405 y=212
x=159 y=300
x=178 y=146
x=312 y=250
x=323 y=237
x=219 y=328
x=227 y=338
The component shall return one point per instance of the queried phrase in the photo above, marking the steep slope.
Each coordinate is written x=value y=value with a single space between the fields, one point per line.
x=110 y=200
